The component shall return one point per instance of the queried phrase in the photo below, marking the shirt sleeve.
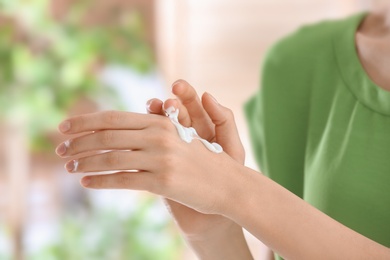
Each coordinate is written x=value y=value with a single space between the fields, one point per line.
x=277 y=116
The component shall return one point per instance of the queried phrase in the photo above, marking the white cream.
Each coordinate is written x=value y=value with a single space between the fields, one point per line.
x=188 y=134
x=75 y=165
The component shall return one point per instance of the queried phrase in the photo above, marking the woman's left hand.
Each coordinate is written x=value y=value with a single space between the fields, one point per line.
x=147 y=154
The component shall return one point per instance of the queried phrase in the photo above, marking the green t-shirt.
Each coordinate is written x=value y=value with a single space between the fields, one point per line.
x=321 y=128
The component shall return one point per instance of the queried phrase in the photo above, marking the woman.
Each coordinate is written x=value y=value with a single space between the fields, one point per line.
x=320 y=128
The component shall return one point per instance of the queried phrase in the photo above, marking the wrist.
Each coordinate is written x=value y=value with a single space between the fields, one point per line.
x=237 y=195
x=220 y=228
x=225 y=242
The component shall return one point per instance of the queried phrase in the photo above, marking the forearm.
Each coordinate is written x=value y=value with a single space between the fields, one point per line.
x=292 y=227
x=221 y=244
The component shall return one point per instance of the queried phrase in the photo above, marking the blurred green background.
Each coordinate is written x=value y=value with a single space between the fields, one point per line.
x=48 y=62
x=52 y=54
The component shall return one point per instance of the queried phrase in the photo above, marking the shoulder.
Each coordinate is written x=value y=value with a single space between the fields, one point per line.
x=291 y=63
x=308 y=41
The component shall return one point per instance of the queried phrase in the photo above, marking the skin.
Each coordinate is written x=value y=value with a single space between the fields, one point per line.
x=372 y=42
x=167 y=166
x=219 y=194
x=200 y=230
x=209 y=239
x=204 y=231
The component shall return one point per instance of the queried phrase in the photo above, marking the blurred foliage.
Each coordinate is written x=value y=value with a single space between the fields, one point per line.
x=105 y=235
x=48 y=63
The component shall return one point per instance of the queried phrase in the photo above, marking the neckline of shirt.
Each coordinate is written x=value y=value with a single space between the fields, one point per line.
x=352 y=71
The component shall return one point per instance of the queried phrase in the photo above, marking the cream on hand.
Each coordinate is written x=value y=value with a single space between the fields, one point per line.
x=188 y=134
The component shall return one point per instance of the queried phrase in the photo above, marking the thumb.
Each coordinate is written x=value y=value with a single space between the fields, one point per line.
x=226 y=133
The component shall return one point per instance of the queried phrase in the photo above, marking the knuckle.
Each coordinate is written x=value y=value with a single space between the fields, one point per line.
x=189 y=96
x=112 y=159
x=166 y=124
x=123 y=181
x=157 y=140
x=162 y=140
x=155 y=121
x=106 y=137
x=229 y=113
x=111 y=117
x=227 y=118
x=78 y=123
x=166 y=144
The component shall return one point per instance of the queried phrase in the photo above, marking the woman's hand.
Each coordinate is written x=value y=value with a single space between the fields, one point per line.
x=138 y=142
x=149 y=146
x=193 y=114
x=212 y=121
x=206 y=233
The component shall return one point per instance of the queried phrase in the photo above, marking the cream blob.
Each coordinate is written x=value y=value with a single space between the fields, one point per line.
x=188 y=134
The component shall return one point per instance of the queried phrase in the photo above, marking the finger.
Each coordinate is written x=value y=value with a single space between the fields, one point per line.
x=184 y=117
x=189 y=98
x=155 y=106
x=121 y=180
x=106 y=120
x=103 y=140
x=225 y=127
x=109 y=161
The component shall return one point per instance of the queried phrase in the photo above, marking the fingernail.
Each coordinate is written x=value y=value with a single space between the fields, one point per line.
x=213 y=98
x=64 y=126
x=71 y=166
x=176 y=82
x=170 y=110
x=61 y=149
x=86 y=181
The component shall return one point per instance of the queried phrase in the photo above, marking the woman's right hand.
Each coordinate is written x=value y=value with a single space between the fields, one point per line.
x=206 y=233
x=211 y=120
